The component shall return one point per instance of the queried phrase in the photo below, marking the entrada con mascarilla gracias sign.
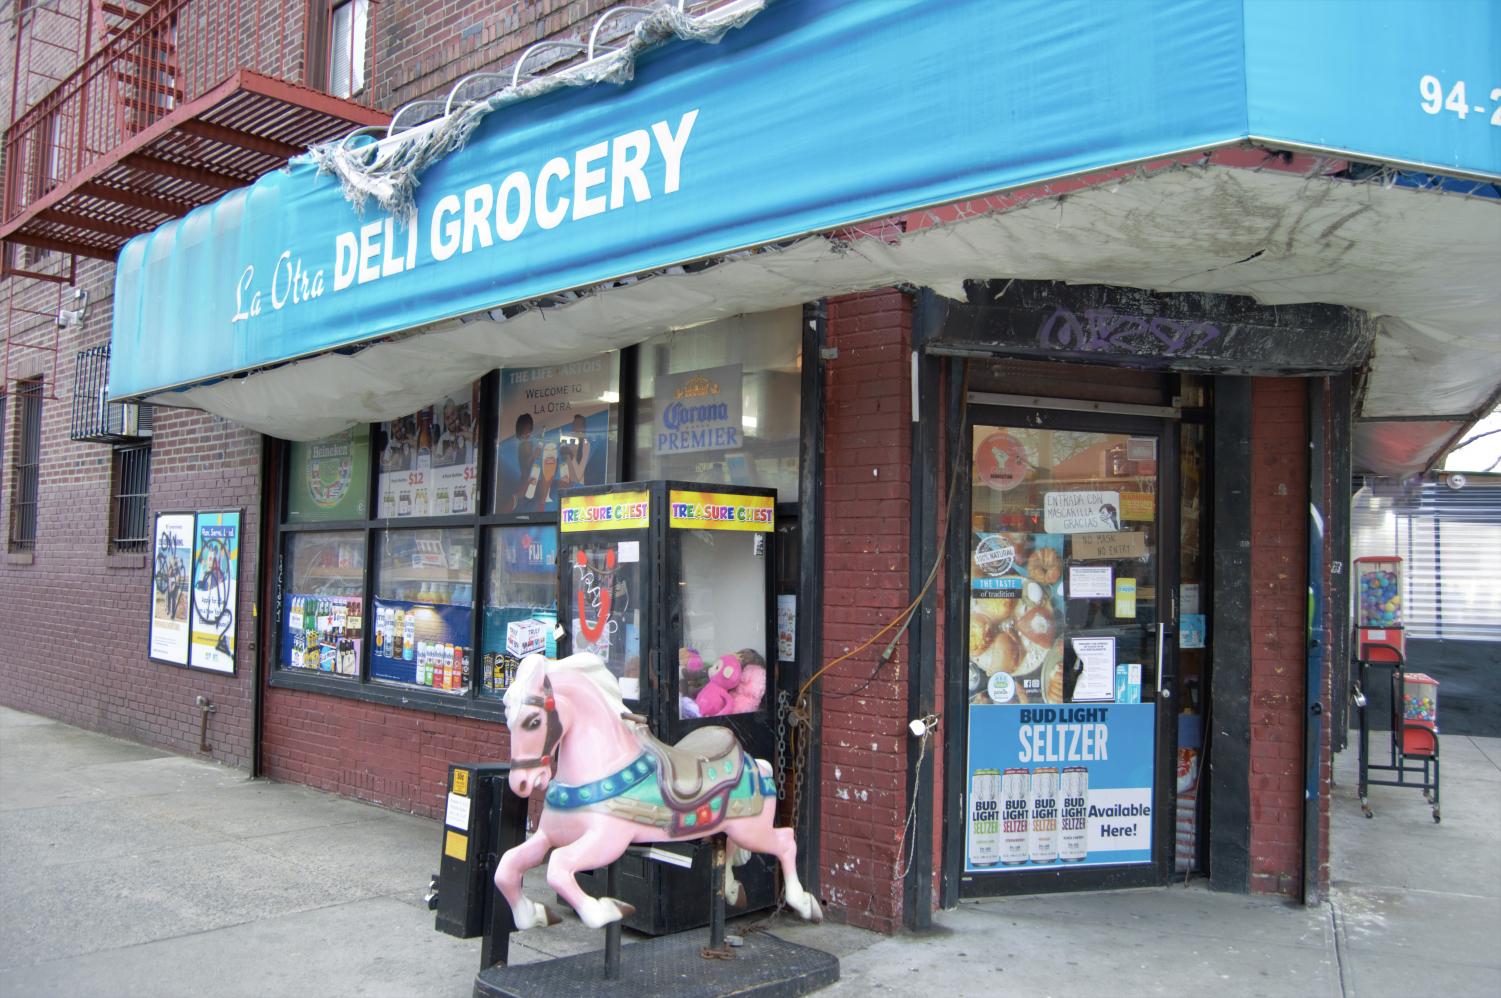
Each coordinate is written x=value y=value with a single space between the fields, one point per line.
x=604 y=176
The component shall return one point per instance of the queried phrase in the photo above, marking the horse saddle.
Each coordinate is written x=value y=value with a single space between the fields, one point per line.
x=705 y=763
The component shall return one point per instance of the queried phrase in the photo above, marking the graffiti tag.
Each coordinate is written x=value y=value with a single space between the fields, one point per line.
x=1100 y=329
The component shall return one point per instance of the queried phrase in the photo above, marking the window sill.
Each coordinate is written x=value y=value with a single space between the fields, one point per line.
x=20 y=557
x=136 y=561
x=484 y=709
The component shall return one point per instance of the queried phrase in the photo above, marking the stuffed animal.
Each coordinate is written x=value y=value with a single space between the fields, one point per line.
x=752 y=688
x=717 y=697
x=692 y=676
x=687 y=707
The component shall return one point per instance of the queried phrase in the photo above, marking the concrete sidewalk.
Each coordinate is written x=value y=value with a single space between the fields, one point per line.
x=127 y=871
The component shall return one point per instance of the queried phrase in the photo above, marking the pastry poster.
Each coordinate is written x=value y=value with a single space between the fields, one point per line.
x=1016 y=618
x=216 y=564
x=170 y=596
x=429 y=461
x=1052 y=787
x=328 y=479
x=554 y=432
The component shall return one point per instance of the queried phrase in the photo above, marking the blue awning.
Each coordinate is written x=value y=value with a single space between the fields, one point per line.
x=816 y=114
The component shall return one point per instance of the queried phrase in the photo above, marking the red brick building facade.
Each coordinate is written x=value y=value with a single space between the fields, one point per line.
x=74 y=610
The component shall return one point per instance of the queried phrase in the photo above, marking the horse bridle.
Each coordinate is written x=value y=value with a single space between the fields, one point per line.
x=554 y=727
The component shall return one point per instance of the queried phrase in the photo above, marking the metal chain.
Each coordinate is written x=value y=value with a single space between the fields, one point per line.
x=793 y=722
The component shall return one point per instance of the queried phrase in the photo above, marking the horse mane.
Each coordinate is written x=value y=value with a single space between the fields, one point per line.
x=585 y=664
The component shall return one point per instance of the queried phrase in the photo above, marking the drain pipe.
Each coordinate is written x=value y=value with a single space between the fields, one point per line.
x=205 y=708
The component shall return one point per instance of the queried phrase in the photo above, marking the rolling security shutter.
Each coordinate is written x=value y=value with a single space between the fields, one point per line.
x=1449 y=541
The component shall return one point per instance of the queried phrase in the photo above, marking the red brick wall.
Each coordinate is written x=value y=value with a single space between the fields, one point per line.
x=1279 y=614
x=73 y=616
x=867 y=455
x=387 y=755
x=423 y=47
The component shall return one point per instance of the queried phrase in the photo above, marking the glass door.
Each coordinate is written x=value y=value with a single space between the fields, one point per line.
x=1072 y=560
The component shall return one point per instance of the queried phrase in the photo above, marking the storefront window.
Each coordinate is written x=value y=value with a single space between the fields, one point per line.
x=521 y=602
x=423 y=613
x=329 y=479
x=429 y=460
x=1062 y=565
x=722 y=403
x=324 y=602
x=605 y=591
x=556 y=428
x=722 y=664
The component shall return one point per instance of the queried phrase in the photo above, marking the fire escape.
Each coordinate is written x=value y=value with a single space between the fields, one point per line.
x=126 y=114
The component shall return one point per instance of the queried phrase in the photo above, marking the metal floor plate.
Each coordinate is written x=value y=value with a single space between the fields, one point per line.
x=670 y=967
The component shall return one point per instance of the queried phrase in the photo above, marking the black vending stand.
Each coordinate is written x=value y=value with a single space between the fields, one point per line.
x=671 y=583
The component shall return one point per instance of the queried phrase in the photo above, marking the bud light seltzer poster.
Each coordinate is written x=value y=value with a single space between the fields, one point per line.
x=1056 y=786
x=215 y=591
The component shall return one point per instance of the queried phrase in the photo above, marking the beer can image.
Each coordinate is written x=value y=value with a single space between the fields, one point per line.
x=1042 y=834
x=984 y=817
x=1015 y=787
x=1073 y=833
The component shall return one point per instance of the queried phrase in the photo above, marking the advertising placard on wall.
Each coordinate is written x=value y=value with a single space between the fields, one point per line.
x=698 y=411
x=170 y=593
x=429 y=461
x=1061 y=786
x=327 y=478
x=554 y=432
x=216 y=571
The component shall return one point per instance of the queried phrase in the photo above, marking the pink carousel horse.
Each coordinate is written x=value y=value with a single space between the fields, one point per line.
x=610 y=783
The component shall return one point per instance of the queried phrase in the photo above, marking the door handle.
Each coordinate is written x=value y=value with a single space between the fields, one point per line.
x=1161 y=633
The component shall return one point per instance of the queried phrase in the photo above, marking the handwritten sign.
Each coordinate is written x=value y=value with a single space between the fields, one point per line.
x=1138 y=506
x=1115 y=546
x=1081 y=512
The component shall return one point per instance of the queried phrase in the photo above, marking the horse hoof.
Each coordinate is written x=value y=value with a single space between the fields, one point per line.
x=815 y=912
x=626 y=910
x=549 y=917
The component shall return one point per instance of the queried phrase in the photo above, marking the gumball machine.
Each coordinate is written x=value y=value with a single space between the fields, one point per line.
x=1419 y=713
x=1378 y=608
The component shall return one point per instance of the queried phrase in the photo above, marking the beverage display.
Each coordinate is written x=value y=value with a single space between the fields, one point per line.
x=408 y=635
x=1042 y=835
x=1015 y=786
x=1073 y=832
x=984 y=818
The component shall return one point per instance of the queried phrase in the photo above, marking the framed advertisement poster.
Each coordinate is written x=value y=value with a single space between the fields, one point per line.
x=556 y=430
x=429 y=461
x=215 y=590
x=328 y=479
x=172 y=559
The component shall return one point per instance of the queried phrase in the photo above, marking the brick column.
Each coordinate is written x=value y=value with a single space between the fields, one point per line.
x=1279 y=629
x=867 y=441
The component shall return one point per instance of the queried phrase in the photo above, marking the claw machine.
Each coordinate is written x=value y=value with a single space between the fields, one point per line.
x=671 y=584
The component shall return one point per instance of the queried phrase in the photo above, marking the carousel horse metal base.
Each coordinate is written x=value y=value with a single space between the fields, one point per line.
x=671 y=967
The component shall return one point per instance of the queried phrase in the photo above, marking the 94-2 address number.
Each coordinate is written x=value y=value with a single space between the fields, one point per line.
x=1435 y=100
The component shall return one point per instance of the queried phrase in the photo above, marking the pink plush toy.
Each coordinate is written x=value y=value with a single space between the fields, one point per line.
x=747 y=696
x=718 y=697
